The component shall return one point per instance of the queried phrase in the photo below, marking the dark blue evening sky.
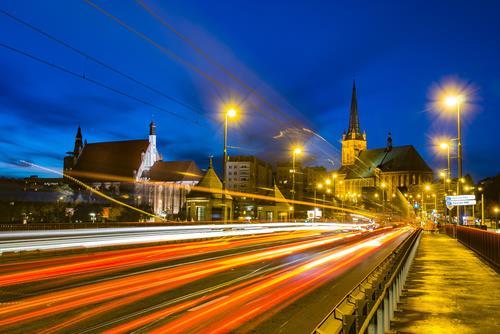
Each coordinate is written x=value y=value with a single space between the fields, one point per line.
x=299 y=57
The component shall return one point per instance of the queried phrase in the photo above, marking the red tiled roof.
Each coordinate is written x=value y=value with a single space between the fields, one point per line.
x=117 y=159
x=175 y=171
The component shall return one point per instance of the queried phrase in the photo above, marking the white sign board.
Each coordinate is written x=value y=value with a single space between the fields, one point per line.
x=460 y=200
x=311 y=214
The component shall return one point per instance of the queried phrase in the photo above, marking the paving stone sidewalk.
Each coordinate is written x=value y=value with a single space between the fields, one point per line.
x=450 y=289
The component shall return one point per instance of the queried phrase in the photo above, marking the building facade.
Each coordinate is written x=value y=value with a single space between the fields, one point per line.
x=388 y=169
x=133 y=172
x=248 y=174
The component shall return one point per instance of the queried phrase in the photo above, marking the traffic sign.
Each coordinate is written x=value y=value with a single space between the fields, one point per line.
x=460 y=200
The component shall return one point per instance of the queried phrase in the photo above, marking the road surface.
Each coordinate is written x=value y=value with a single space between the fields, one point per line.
x=279 y=281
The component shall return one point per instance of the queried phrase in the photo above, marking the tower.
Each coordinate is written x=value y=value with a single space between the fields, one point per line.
x=152 y=133
x=152 y=154
x=72 y=156
x=78 y=143
x=353 y=142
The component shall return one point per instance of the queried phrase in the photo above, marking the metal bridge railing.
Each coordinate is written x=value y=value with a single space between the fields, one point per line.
x=370 y=306
x=485 y=243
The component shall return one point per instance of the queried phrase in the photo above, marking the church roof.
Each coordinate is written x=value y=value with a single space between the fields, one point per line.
x=209 y=181
x=118 y=158
x=398 y=159
x=175 y=171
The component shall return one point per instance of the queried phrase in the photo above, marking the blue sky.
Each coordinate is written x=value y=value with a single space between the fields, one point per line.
x=288 y=64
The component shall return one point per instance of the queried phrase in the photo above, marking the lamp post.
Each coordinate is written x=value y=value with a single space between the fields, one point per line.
x=444 y=176
x=454 y=101
x=230 y=113
x=446 y=146
x=318 y=186
x=480 y=189
x=496 y=216
x=383 y=185
x=295 y=151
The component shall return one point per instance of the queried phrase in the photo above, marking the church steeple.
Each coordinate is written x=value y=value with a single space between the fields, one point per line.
x=354 y=141
x=152 y=128
x=354 y=130
x=78 y=142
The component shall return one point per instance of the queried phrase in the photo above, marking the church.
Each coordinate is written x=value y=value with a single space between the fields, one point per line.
x=133 y=172
x=392 y=169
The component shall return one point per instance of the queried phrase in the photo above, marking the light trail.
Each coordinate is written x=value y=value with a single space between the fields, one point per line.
x=62 y=239
x=228 y=309
x=31 y=309
x=112 y=261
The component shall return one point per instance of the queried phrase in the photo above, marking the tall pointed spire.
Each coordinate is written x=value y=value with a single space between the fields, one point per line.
x=78 y=142
x=354 y=130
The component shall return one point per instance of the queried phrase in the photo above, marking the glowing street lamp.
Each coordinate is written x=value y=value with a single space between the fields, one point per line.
x=295 y=151
x=230 y=113
x=455 y=101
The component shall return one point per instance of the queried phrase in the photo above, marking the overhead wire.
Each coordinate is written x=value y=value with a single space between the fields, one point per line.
x=88 y=56
x=176 y=57
x=212 y=61
x=95 y=82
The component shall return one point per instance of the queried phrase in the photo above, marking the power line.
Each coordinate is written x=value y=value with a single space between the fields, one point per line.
x=212 y=61
x=96 y=82
x=97 y=61
x=173 y=55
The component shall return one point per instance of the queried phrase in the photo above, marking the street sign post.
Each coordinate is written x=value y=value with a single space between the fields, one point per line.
x=460 y=200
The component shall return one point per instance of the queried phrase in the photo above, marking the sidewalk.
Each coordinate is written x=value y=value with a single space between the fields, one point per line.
x=449 y=290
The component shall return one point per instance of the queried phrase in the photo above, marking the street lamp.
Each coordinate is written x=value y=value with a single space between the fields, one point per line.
x=295 y=151
x=318 y=186
x=383 y=185
x=496 y=216
x=455 y=101
x=480 y=189
x=228 y=114
x=446 y=146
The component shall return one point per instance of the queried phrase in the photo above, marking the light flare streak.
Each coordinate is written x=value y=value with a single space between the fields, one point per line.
x=46 y=305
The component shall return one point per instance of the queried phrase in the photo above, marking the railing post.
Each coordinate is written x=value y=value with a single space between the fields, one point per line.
x=380 y=320
x=393 y=301
x=387 y=325
x=371 y=327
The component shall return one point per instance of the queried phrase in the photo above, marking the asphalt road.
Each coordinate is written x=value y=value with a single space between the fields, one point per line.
x=285 y=281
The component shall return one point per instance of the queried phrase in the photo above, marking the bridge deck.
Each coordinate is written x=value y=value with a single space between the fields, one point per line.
x=449 y=290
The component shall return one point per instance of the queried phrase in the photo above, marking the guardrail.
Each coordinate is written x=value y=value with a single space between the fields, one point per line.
x=485 y=243
x=369 y=307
